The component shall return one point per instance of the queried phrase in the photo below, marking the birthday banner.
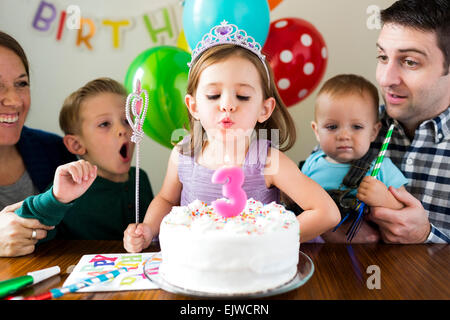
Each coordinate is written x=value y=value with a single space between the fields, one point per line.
x=95 y=264
x=160 y=24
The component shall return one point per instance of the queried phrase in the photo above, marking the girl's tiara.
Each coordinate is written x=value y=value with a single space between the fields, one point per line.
x=228 y=34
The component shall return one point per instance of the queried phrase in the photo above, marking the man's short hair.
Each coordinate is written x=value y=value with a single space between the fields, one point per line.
x=424 y=15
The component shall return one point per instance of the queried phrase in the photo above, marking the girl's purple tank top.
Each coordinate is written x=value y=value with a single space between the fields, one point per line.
x=196 y=179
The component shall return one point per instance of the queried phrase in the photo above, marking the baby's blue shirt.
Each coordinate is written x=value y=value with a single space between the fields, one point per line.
x=330 y=175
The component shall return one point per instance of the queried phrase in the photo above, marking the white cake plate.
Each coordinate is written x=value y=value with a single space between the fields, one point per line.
x=304 y=272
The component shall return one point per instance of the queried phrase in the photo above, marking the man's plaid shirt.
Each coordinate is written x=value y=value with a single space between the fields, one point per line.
x=425 y=162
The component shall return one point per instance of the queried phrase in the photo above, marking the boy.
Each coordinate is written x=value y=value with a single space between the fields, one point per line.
x=346 y=122
x=97 y=131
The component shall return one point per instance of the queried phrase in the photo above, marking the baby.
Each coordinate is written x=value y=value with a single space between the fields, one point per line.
x=345 y=123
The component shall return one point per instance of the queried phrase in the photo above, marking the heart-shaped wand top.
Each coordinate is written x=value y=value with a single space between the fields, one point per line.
x=137 y=105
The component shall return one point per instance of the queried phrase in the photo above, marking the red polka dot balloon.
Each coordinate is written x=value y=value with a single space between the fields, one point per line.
x=298 y=55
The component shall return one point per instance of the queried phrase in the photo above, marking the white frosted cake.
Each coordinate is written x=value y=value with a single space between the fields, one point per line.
x=254 y=251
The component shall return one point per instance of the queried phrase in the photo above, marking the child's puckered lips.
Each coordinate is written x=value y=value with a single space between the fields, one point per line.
x=226 y=122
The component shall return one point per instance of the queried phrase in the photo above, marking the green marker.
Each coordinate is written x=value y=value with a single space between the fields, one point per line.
x=12 y=285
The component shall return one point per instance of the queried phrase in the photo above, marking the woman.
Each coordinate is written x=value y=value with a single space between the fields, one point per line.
x=28 y=157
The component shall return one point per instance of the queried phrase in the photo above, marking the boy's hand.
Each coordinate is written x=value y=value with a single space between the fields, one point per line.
x=373 y=192
x=73 y=179
x=137 y=237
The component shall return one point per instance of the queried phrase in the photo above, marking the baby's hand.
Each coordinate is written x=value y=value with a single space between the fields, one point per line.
x=72 y=180
x=373 y=192
x=137 y=237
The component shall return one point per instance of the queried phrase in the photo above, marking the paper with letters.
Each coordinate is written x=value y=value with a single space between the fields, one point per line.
x=94 y=264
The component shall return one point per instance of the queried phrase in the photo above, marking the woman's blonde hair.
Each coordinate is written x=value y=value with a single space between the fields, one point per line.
x=280 y=119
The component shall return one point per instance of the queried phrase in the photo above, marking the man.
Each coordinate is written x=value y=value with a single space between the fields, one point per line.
x=414 y=77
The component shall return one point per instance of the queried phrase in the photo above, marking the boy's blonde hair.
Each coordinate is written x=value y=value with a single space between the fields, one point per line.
x=344 y=84
x=69 y=116
x=280 y=118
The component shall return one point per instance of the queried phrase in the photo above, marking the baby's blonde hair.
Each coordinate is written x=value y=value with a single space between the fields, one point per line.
x=345 y=84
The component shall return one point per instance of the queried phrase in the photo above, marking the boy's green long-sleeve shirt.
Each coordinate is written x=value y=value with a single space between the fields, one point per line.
x=103 y=212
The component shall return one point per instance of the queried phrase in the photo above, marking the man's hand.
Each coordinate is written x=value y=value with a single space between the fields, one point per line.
x=407 y=225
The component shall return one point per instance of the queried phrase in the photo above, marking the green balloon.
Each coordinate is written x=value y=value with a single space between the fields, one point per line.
x=163 y=72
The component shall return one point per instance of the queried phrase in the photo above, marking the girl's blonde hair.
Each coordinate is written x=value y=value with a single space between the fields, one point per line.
x=280 y=119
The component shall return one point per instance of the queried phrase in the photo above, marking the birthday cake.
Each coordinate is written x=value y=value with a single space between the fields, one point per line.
x=254 y=251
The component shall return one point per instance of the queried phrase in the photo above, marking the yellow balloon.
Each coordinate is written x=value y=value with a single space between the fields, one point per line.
x=182 y=43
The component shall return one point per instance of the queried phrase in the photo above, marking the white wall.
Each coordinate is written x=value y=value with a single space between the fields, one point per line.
x=60 y=67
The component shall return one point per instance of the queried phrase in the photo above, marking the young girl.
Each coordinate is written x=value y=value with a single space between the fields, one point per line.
x=232 y=98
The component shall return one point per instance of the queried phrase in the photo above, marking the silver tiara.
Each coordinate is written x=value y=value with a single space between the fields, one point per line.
x=228 y=34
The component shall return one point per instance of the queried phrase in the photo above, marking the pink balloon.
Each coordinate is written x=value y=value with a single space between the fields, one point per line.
x=298 y=56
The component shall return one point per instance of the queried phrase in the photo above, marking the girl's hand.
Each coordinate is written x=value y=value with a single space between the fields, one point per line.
x=73 y=179
x=137 y=237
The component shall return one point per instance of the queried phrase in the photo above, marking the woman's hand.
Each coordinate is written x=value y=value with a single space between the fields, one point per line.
x=18 y=236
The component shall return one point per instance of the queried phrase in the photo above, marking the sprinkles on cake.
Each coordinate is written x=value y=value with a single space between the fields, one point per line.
x=254 y=219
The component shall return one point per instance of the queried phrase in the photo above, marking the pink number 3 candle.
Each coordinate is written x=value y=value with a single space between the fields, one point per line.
x=232 y=178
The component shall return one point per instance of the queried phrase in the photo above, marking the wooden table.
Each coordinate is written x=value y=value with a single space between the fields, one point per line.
x=341 y=271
